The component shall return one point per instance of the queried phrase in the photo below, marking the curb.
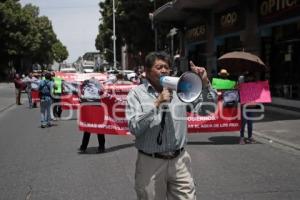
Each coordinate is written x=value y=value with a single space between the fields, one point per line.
x=276 y=140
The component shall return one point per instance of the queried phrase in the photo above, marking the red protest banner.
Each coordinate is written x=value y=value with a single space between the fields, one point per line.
x=35 y=95
x=100 y=118
x=108 y=117
x=69 y=101
x=224 y=119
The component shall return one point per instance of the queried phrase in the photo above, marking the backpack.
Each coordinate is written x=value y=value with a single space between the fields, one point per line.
x=45 y=89
x=230 y=98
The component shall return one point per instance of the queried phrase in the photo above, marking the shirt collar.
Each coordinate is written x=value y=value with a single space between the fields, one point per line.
x=150 y=88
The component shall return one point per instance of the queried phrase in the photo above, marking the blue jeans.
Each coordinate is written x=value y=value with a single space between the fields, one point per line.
x=249 y=122
x=29 y=98
x=45 y=111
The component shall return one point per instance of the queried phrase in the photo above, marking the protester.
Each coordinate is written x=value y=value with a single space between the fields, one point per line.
x=163 y=167
x=28 y=80
x=91 y=92
x=223 y=84
x=111 y=78
x=19 y=86
x=120 y=80
x=223 y=74
x=86 y=139
x=45 y=88
x=247 y=112
x=142 y=78
x=56 y=97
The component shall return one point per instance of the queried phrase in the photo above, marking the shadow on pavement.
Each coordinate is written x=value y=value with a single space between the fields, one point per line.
x=94 y=150
x=218 y=140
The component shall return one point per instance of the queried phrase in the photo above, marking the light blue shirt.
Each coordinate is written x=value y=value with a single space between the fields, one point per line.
x=144 y=120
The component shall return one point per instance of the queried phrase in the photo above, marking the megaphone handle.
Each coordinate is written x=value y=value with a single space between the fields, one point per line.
x=161 y=130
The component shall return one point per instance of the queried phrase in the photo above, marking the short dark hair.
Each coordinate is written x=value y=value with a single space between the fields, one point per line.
x=48 y=76
x=152 y=56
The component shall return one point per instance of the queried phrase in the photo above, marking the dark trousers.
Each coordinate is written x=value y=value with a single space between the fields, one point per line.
x=56 y=107
x=248 y=122
x=18 y=96
x=86 y=139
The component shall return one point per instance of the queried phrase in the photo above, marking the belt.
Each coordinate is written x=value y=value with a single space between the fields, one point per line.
x=164 y=155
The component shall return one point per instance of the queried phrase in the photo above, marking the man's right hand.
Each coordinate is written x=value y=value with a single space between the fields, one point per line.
x=165 y=96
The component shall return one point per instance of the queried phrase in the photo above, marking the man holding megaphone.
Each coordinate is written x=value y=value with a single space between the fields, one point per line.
x=156 y=114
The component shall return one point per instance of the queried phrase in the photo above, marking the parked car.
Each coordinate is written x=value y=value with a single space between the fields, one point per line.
x=67 y=68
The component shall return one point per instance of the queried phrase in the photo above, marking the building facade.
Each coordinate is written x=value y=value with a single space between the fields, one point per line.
x=269 y=29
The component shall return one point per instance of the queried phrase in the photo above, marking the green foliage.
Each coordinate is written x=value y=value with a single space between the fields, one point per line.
x=60 y=51
x=25 y=35
x=133 y=26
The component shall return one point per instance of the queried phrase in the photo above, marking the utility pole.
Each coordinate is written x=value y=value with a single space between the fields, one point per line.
x=154 y=25
x=114 y=35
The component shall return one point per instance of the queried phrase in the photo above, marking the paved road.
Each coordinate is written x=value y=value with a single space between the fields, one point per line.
x=44 y=164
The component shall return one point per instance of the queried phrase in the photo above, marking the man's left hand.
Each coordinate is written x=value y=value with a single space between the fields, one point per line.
x=201 y=71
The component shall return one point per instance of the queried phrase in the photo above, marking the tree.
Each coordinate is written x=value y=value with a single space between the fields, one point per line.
x=26 y=36
x=60 y=52
x=133 y=26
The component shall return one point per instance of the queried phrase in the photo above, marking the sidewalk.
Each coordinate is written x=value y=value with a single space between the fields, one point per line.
x=280 y=126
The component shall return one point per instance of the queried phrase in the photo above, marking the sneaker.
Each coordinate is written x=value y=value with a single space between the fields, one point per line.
x=251 y=141
x=43 y=126
x=242 y=141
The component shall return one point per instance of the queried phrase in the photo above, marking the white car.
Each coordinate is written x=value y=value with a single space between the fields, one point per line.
x=131 y=76
x=68 y=70
x=88 y=70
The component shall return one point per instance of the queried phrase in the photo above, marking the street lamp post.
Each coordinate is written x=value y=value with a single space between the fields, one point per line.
x=110 y=51
x=154 y=25
x=114 y=35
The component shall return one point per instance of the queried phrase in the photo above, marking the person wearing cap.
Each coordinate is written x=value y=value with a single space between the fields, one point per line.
x=223 y=74
x=158 y=120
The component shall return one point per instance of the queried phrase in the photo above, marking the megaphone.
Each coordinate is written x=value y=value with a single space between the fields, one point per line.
x=188 y=86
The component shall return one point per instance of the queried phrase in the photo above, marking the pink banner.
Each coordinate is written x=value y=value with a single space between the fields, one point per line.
x=255 y=92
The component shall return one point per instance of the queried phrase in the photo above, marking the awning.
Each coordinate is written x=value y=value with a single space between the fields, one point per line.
x=194 y=4
x=179 y=11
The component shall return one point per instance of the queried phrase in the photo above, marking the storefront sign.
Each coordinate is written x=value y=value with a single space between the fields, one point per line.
x=229 y=21
x=274 y=10
x=196 y=34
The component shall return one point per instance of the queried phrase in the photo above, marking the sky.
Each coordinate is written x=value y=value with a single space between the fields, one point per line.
x=75 y=23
